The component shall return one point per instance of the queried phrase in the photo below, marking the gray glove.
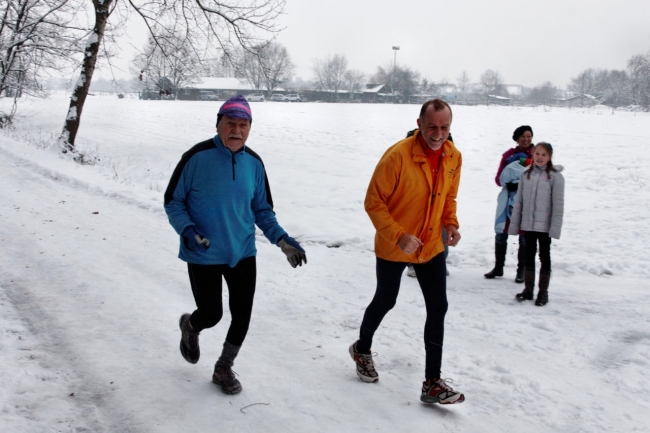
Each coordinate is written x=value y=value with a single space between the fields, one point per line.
x=292 y=249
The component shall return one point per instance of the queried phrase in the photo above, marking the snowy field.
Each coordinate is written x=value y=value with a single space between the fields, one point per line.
x=91 y=289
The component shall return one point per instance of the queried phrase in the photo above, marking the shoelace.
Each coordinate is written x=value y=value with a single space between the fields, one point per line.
x=229 y=372
x=442 y=383
x=366 y=360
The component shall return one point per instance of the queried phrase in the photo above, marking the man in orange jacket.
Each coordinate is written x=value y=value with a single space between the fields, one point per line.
x=411 y=197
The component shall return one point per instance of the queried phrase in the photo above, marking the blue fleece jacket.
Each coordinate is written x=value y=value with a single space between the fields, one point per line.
x=224 y=195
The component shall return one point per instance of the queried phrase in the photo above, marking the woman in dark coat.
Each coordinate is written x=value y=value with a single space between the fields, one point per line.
x=523 y=136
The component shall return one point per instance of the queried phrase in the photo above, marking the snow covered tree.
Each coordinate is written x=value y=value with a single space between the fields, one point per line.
x=353 y=81
x=34 y=35
x=607 y=86
x=207 y=27
x=402 y=79
x=247 y=66
x=618 y=92
x=329 y=73
x=583 y=85
x=276 y=64
x=166 y=70
x=638 y=67
x=543 y=94
x=407 y=81
x=266 y=66
x=492 y=84
x=464 y=84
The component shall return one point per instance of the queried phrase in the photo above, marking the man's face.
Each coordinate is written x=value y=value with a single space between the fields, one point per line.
x=435 y=127
x=233 y=132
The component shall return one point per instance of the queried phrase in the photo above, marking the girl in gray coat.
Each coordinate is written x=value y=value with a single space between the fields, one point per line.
x=538 y=212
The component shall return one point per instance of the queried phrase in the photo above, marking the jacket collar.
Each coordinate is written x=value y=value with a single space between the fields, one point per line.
x=448 y=148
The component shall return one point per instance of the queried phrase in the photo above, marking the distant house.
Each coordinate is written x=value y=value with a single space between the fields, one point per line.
x=370 y=93
x=580 y=100
x=499 y=100
x=224 y=88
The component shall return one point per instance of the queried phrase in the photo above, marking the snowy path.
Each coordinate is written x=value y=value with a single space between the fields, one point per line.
x=89 y=304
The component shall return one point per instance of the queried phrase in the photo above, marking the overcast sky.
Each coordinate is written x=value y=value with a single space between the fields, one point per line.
x=527 y=42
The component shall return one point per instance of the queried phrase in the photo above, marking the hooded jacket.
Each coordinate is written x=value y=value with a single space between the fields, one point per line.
x=223 y=195
x=401 y=199
x=539 y=206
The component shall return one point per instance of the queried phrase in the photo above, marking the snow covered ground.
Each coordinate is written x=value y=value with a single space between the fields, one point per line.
x=91 y=289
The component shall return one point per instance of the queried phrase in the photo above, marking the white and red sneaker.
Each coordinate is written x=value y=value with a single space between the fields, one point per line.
x=437 y=391
x=365 y=365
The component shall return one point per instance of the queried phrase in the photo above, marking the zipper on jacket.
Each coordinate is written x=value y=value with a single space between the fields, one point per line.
x=233 y=165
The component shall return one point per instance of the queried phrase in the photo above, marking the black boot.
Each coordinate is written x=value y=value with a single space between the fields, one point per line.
x=189 y=340
x=500 y=260
x=521 y=256
x=529 y=285
x=542 y=295
x=223 y=374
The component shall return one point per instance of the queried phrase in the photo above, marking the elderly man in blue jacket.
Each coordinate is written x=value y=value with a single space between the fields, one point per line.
x=217 y=194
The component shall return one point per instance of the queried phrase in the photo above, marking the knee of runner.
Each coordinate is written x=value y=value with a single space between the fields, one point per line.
x=213 y=318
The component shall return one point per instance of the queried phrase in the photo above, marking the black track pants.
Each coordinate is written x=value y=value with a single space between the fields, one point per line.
x=206 y=287
x=433 y=282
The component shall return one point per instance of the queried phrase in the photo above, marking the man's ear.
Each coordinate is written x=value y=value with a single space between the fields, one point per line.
x=419 y=123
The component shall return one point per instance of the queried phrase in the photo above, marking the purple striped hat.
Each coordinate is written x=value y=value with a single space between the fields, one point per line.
x=237 y=108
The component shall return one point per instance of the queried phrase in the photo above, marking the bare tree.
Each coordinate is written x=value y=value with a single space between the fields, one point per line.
x=206 y=26
x=407 y=81
x=383 y=75
x=266 y=66
x=354 y=81
x=583 y=85
x=403 y=79
x=638 y=67
x=618 y=91
x=329 y=74
x=247 y=66
x=464 y=82
x=34 y=35
x=276 y=65
x=543 y=94
x=613 y=87
x=152 y=69
x=492 y=84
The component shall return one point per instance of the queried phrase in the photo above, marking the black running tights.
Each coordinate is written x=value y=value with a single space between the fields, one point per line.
x=206 y=287
x=433 y=282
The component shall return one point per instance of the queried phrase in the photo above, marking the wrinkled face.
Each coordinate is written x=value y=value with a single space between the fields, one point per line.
x=541 y=156
x=525 y=140
x=233 y=132
x=435 y=126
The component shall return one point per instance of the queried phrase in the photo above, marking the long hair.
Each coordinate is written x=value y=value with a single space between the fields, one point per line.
x=549 y=165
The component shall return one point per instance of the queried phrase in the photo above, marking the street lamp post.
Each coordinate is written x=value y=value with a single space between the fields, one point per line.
x=395 y=49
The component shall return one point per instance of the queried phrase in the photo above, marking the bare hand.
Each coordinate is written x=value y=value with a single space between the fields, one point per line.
x=409 y=243
x=453 y=236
